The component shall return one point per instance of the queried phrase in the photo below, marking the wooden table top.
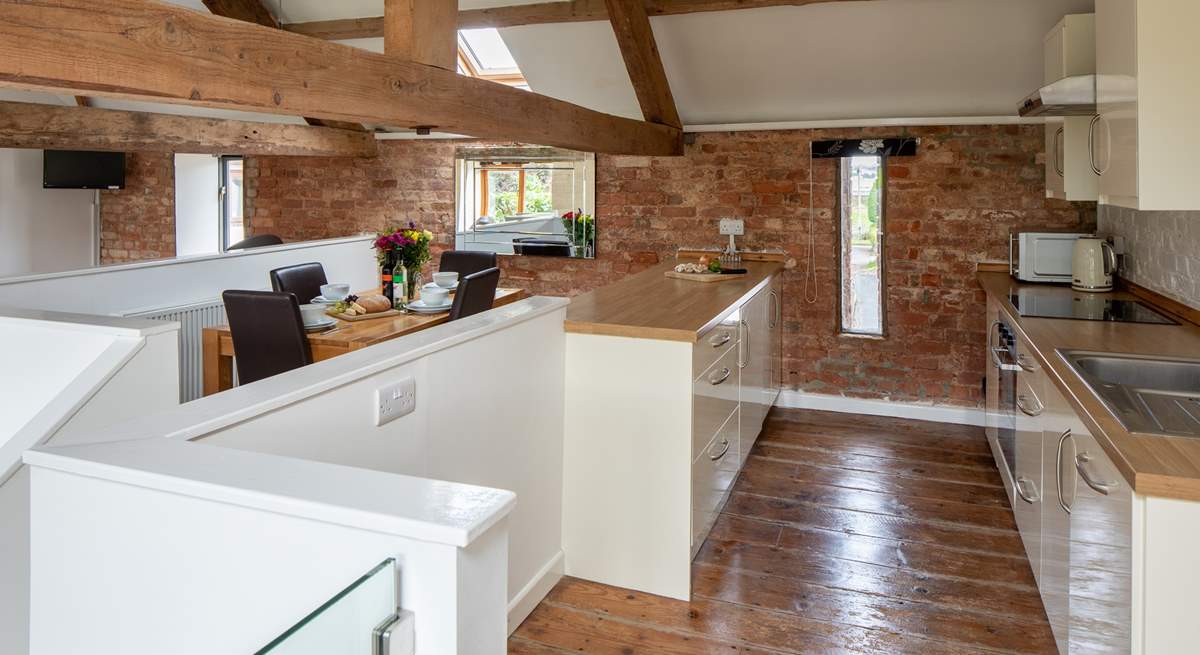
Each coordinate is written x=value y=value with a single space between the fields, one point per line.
x=650 y=305
x=360 y=334
x=1152 y=465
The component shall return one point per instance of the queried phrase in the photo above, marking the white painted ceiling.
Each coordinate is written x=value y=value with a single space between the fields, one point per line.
x=841 y=60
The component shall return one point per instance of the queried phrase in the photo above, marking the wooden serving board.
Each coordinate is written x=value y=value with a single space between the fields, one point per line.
x=365 y=317
x=704 y=277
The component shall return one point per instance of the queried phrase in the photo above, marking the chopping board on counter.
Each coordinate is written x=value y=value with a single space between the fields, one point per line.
x=704 y=277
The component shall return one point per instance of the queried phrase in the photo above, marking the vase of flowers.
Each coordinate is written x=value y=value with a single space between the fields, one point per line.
x=405 y=248
x=581 y=231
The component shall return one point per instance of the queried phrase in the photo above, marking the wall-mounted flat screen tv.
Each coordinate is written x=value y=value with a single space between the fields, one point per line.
x=78 y=169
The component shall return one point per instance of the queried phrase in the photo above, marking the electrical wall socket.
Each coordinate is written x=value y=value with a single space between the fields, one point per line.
x=734 y=226
x=395 y=400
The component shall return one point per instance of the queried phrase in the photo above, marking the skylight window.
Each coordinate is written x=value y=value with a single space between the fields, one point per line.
x=482 y=54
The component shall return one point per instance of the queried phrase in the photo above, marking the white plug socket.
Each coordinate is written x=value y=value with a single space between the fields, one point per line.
x=733 y=226
x=395 y=400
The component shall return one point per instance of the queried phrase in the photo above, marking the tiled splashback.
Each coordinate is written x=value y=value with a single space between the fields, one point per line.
x=1162 y=249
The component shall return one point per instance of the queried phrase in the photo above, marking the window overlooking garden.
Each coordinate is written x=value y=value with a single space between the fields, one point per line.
x=862 y=205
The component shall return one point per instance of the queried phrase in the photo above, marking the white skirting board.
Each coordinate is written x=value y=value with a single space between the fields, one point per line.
x=792 y=399
x=523 y=604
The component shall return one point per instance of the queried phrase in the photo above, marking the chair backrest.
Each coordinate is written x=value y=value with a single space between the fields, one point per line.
x=476 y=293
x=268 y=333
x=258 y=241
x=304 y=280
x=466 y=262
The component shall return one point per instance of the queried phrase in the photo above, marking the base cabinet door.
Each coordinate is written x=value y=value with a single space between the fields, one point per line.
x=1058 y=422
x=1101 y=553
x=1027 y=483
x=754 y=361
x=713 y=473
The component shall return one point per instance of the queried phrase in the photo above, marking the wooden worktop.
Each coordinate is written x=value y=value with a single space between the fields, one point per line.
x=1152 y=465
x=651 y=306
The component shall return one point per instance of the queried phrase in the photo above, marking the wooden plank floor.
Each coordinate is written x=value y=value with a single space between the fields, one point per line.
x=844 y=534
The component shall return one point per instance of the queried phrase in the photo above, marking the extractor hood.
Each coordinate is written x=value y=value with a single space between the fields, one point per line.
x=1070 y=96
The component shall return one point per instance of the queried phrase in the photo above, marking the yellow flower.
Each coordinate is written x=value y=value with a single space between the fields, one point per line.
x=428 y=235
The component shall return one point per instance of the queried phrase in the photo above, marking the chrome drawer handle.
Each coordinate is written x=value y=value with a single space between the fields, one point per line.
x=1021 y=400
x=721 y=454
x=1058 y=136
x=1020 y=486
x=1099 y=487
x=720 y=376
x=1058 y=470
x=719 y=340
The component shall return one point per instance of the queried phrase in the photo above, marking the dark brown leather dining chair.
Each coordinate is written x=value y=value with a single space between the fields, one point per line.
x=268 y=333
x=476 y=293
x=466 y=262
x=304 y=280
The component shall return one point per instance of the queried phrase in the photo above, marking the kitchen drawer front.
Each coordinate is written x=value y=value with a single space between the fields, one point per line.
x=714 y=397
x=713 y=473
x=715 y=343
x=1030 y=489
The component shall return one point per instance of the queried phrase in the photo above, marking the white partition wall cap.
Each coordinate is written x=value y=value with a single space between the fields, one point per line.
x=415 y=508
x=198 y=418
x=96 y=324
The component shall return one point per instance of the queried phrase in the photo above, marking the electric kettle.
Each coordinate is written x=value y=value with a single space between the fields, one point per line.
x=1093 y=263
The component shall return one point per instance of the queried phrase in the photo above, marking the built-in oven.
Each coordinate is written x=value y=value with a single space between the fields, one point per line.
x=1002 y=352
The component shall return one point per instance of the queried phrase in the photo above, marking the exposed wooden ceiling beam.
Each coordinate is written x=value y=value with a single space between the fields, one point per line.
x=573 y=11
x=250 y=11
x=254 y=11
x=26 y=125
x=159 y=52
x=422 y=31
x=631 y=26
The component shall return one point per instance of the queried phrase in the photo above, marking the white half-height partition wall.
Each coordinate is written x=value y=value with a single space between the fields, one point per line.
x=146 y=286
x=66 y=376
x=488 y=413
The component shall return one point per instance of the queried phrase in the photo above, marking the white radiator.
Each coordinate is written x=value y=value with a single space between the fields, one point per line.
x=192 y=320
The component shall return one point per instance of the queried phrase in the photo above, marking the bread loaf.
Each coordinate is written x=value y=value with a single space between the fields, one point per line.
x=375 y=303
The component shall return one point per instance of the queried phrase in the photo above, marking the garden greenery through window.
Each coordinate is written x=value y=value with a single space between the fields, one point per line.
x=862 y=205
x=525 y=201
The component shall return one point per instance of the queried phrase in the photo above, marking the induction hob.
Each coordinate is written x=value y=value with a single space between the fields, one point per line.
x=1085 y=307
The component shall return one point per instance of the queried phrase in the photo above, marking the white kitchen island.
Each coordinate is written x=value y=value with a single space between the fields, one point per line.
x=668 y=384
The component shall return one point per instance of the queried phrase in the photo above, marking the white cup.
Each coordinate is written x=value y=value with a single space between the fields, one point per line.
x=435 y=296
x=445 y=280
x=312 y=314
x=335 y=291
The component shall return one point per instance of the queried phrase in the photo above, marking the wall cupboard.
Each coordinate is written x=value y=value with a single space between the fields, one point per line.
x=1144 y=137
x=1070 y=50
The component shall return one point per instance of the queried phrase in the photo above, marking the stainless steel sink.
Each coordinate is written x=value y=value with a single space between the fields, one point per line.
x=1150 y=395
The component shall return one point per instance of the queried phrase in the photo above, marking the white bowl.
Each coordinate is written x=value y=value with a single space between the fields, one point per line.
x=312 y=314
x=435 y=297
x=446 y=280
x=335 y=291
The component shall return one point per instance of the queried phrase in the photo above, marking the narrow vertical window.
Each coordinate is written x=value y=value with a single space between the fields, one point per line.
x=232 y=198
x=861 y=251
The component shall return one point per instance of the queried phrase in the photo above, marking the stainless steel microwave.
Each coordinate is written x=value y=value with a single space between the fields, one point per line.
x=1041 y=256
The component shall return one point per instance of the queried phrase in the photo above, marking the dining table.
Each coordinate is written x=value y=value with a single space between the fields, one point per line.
x=346 y=336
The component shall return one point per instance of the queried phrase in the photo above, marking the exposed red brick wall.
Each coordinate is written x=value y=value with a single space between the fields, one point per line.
x=947 y=208
x=137 y=223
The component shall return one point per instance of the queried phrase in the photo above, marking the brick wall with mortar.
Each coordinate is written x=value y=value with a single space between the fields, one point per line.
x=947 y=208
x=137 y=223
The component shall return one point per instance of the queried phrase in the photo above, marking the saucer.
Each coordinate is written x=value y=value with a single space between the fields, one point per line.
x=320 y=325
x=322 y=300
x=420 y=307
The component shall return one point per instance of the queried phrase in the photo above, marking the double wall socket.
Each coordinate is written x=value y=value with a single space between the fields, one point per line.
x=733 y=226
x=395 y=400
